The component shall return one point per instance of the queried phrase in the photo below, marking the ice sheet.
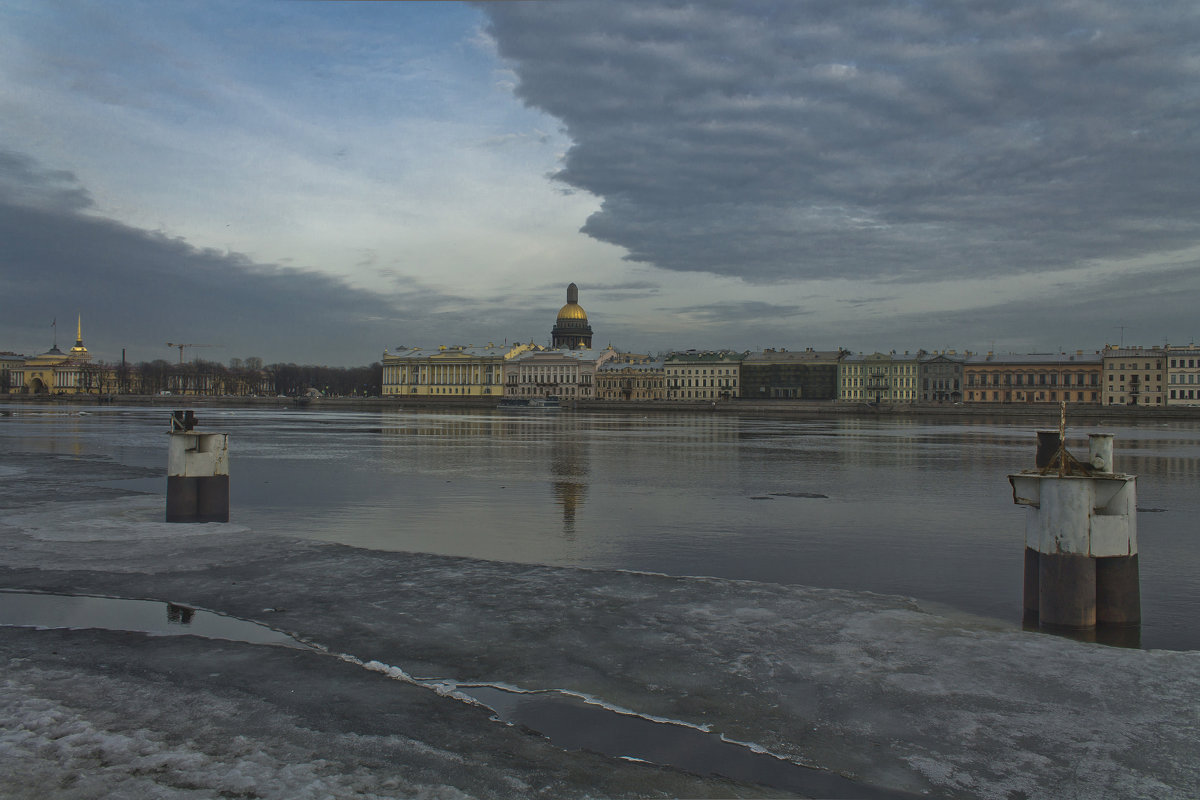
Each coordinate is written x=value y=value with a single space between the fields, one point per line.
x=874 y=687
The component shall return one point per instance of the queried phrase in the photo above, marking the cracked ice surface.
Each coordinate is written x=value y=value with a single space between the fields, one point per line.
x=871 y=686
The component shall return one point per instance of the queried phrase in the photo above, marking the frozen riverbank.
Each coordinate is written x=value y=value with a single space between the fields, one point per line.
x=872 y=687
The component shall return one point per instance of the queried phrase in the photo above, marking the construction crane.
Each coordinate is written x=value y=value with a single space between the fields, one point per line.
x=181 y=346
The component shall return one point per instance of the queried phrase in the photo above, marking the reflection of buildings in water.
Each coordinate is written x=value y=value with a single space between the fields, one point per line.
x=570 y=497
x=569 y=466
x=51 y=433
x=700 y=439
x=450 y=427
x=490 y=441
x=179 y=615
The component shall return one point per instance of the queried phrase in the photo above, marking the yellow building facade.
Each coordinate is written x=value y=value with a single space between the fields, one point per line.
x=703 y=375
x=458 y=372
x=631 y=377
x=1133 y=376
x=57 y=373
x=878 y=378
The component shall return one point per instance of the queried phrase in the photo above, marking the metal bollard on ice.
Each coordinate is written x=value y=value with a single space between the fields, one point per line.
x=1081 y=553
x=197 y=472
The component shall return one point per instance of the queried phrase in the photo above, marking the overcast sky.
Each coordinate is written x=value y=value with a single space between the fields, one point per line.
x=315 y=182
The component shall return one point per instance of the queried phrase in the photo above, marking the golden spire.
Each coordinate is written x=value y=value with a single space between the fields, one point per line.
x=79 y=351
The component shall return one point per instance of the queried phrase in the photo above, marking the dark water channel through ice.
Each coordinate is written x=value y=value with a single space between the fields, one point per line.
x=919 y=508
x=567 y=720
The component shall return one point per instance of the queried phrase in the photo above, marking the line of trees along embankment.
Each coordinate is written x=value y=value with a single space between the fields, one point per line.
x=206 y=378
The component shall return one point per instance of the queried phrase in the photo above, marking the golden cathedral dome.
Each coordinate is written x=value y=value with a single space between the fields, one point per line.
x=571 y=329
x=572 y=311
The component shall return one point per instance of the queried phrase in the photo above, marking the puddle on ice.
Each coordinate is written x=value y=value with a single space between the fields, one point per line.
x=156 y=618
x=567 y=720
x=576 y=724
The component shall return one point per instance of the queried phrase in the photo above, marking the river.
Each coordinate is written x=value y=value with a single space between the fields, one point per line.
x=906 y=507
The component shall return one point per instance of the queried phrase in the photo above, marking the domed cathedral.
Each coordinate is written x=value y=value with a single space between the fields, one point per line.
x=571 y=330
x=56 y=372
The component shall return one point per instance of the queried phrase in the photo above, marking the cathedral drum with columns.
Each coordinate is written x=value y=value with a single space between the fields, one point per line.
x=571 y=330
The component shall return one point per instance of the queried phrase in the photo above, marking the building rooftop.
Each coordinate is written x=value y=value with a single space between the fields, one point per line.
x=637 y=366
x=1034 y=359
x=882 y=357
x=706 y=355
x=488 y=350
x=1116 y=351
x=780 y=356
x=574 y=355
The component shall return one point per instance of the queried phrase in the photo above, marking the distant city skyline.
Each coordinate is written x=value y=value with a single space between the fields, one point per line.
x=317 y=182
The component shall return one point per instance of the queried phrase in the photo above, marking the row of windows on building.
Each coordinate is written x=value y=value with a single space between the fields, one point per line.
x=1032 y=379
x=846 y=377
x=1051 y=396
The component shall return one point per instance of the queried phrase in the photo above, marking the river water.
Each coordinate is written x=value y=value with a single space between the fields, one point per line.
x=895 y=506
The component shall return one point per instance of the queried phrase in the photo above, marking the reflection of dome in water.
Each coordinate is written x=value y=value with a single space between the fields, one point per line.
x=571 y=329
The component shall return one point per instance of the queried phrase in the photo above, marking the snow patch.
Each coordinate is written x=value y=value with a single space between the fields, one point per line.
x=57 y=753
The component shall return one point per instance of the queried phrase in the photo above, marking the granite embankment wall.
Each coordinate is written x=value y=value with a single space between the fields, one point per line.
x=1042 y=414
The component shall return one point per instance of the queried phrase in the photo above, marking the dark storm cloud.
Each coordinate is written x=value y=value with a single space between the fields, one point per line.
x=737 y=313
x=139 y=289
x=887 y=140
x=24 y=181
x=855 y=302
x=619 y=292
x=1122 y=309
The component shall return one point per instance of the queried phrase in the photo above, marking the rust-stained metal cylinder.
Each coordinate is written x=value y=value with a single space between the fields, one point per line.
x=182 y=494
x=1048 y=443
x=197 y=473
x=1118 y=591
x=1081 y=552
x=1032 y=591
x=1067 y=590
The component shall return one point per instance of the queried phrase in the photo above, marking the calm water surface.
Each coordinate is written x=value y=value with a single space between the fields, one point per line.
x=917 y=508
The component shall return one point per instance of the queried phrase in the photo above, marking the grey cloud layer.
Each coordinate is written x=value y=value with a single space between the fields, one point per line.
x=908 y=141
x=137 y=289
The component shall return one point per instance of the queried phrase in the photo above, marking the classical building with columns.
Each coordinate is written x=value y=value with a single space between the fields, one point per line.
x=56 y=372
x=565 y=374
x=631 y=376
x=458 y=372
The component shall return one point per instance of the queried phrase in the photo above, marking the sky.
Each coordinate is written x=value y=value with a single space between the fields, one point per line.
x=316 y=182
